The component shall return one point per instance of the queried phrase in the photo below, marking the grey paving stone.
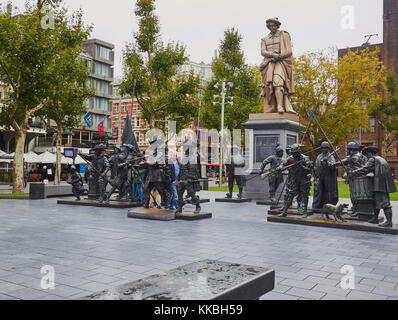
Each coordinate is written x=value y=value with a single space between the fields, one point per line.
x=358 y=295
x=86 y=246
x=290 y=275
x=27 y=294
x=376 y=283
x=7 y=297
x=335 y=290
x=328 y=282
x=278 y=296
x=102 y=278
x=333 y=297
x=304 y=293
x=298 y=284
x=315 y=273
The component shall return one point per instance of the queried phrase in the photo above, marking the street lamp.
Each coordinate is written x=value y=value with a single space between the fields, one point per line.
x=230 y=101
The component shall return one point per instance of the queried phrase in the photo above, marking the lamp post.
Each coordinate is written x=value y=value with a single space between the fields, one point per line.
x=224 y=85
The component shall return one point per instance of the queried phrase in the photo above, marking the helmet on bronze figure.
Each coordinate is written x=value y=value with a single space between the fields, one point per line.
x=295 y=149
x=325 y=145
x=353 y=145
x=370 y=149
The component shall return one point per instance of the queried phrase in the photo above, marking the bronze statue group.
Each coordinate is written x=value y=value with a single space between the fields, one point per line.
x=367 y=173
x=117 y=171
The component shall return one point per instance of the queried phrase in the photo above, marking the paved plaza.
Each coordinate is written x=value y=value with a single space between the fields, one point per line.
x=92 y=249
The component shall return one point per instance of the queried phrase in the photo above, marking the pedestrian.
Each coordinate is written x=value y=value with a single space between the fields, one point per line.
x=137 y=184
x=174 y=172
x=25 y=176
x=87 y=174
x=43 y=174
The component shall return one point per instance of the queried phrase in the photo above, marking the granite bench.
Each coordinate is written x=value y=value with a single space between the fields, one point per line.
x=39 y=190
x=203 y=280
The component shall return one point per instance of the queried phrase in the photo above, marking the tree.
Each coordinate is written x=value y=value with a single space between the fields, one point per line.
x=161 y=90
x=342 y=88
x=231 y=67
x=29 y=50
x=386 y=113
x=69 y=90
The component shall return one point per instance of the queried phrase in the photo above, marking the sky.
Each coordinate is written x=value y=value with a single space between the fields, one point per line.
x=200 y=24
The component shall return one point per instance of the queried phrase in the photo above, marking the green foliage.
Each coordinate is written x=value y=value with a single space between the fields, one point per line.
x=161 y=91
x=69 y=90
x=231 y=67
x=340 y=87
x=386 y=113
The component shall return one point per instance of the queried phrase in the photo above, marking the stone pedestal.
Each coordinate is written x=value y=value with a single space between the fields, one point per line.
x=266 y=130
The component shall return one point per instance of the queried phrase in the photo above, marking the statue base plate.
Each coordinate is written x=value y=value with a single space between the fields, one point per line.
x=291 y=211
x=317 y=221
x=204 y=200
x=152 y=214
x=94 y=203
x=190 y=216
x=233 y=200
x=268 y=203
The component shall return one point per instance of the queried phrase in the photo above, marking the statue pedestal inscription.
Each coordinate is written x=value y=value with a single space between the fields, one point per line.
x=266 y=131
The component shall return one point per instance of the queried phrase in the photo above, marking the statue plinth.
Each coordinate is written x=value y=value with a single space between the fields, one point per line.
x=266 y=131
x=274 y=116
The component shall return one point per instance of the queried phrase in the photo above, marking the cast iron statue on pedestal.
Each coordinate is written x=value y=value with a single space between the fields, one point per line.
x=383 y=184
x=276 y=179
x=233 y=171
x=298 y=180
x=277 y=69
x=188 y=179
x=154 y=175
x=100 y=165
x=325 y=179
x=361 y=187
x=77 y=183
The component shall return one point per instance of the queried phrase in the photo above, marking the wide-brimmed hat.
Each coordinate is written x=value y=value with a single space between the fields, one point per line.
x=372 y=149
x=274 y=20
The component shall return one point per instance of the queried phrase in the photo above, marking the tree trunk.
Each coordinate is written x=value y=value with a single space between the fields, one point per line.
x=18 y=184
x=57 y=179
x=152 y=121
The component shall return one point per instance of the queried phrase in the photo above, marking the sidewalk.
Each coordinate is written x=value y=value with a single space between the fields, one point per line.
x=92 y=249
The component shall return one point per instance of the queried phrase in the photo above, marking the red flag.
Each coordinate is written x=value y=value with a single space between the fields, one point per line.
x=101 y=130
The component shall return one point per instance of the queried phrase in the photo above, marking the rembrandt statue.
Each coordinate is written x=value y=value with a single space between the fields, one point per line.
x=277 y=69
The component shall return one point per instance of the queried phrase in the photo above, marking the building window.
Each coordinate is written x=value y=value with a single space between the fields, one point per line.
x=103 y=52
x=101 y=104
x=372 y=125
x=137 y=122
x=103 y=69
x=101 y=86
x=97 y=118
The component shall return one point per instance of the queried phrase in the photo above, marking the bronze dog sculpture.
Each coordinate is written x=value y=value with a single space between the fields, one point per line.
x=335 y=211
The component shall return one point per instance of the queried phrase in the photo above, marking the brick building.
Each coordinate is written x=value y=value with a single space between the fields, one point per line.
x=389 y=56
x=118 y=117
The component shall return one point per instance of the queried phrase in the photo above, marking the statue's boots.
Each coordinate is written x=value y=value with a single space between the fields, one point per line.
x=197 y=209
x=284 y=210
x=305 y=213
x=375 y=219
x=388 y=222
x=272 y=197
x=240 y=195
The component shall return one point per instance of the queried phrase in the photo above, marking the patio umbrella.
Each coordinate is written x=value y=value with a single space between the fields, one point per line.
x=66 y=160
x=31 y=157
x=80 y=160
x=47 y=157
